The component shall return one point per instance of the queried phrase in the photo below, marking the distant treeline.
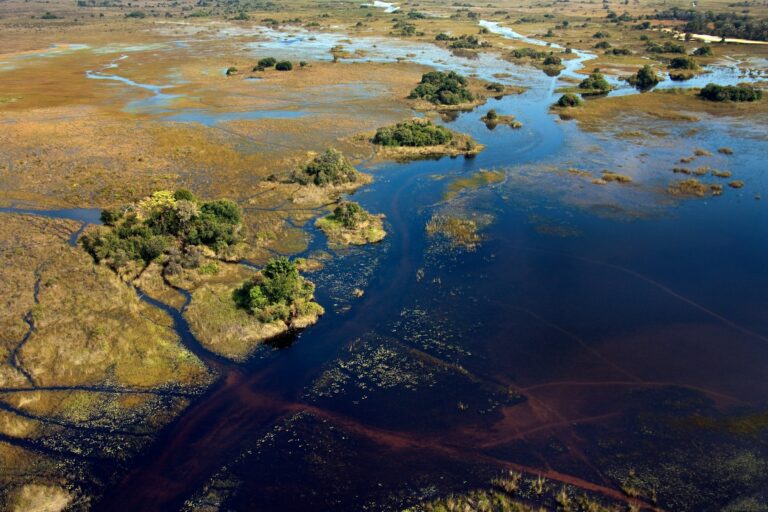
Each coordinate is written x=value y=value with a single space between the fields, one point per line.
x=727 y=24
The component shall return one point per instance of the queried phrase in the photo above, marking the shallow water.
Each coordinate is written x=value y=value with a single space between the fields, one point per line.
x=539 y=348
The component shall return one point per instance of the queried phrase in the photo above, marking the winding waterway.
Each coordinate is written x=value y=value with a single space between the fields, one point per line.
x=517 y=354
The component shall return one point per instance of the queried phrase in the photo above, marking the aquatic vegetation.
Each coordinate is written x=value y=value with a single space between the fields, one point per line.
x=689 y=187
x=609 y=176
x=413 y=133
x=721 y=174
x=736 y=184
x=714 y=92
x=479 y=179
x=725 y=151
x=279 y=293
x=330 y=168
x=443 y=88
x=461 y=232
x=351 y=224
x=163 y=221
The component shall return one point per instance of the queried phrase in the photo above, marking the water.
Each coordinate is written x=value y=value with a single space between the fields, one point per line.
x=585 y=311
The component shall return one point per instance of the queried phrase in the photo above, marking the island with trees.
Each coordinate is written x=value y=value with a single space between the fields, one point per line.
x=350 y=224
x=419 y=138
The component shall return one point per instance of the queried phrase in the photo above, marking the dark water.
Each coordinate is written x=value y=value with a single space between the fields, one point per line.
x=534 y=351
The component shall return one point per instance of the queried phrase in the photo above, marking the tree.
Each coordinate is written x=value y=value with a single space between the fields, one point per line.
x=443 y=88
x=595 y=82
x=414 y=133
x=569 y=100
x=645 y=78
x=284 y=65
x=329 y=168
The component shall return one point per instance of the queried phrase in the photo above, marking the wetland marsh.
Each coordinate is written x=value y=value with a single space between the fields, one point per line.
x=571 y=314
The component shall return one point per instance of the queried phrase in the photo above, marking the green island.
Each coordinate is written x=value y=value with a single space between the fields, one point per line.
x=187 y=242
x=492 y=119
x=420 y=138
x=350 y=224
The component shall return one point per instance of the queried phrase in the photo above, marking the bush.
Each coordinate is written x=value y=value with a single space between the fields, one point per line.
x=645 y=78
x=413 y=133
x=278 y=292
x=147 y=228
x=552 y=60
x=704 y=51
x=329 y=168
x=667 y=47
x=713 y=92
x=683 y=63
x=601 y=35
x=443 y=88
x=284 y=65
x=135 y=14
x=603 y=45
x=349 y=214
x=569 y=100
x=231 y=71
x=267 y=62
x=595 y=82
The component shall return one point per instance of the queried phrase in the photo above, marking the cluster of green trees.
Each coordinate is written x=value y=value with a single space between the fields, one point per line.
x=569 y=99
x=349 y=214
x=413 y=133
x=145 y=230
x=522 y=53
x=269 y=62
x=683 y=63
x=645 y=78
x=595 y=83
x=463 y=41
x=703 y=51
x=714 y=92
x=278 y=292
x=326 y=169
x=722 y=24
x=667 y=47
x=443 y=88
x=552 y=60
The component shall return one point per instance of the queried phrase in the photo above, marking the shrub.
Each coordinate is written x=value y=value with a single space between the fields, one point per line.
x=443 y=88
x=595 y=82
x=349 y=214
x=231 y=71
x=135 y=14
x=601 y=35
x=414 y=133
x=267 y=62
x=645 y=78
x=552 y=60
x=329 y=168
x=147 y=228
x=569 y=100
x=603 y=45
x=667 y=47
x=284 y=65
x=278 y=292
x=683 y=63
x=704 y=51
x=713 y=92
